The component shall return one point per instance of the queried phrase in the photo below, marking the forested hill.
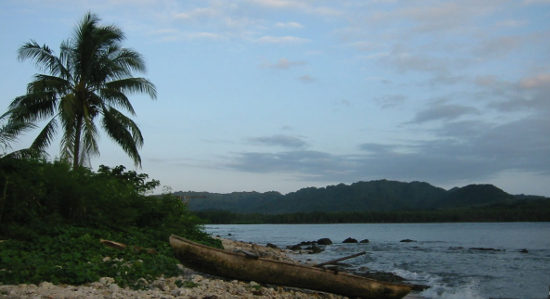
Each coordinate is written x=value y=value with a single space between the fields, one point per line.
x=379 y=196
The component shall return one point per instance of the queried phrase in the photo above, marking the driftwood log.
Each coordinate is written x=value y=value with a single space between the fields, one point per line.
x=123 y=246
x=332 y=262
x=263 y=270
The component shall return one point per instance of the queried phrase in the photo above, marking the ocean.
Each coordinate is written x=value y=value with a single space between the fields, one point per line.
x=457 y=260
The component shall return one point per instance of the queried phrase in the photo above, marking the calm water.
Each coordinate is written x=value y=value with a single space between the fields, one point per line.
x=442 y=256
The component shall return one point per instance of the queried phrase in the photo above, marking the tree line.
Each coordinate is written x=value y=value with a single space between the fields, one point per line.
x=533 y=210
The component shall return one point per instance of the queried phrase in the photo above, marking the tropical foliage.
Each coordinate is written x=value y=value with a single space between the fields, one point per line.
x=52 y=218
x=87 y=81
x=37 y=191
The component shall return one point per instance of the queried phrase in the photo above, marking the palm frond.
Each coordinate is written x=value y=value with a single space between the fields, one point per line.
x=45 y=136
x=109 y=35
x=124 y=131
x=43 y=57
x=130 y=125
x=12 y=129
x=33 y=106
x=47 y=83
x=128 y=60
x=89 y=144
x=26 y=153
x=68 y=139
x=117 y=98
x=134 y=85
x=66 y=57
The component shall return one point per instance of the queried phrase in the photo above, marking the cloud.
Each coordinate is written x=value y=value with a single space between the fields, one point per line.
x=539 y=80
x=288 y=39
x=325 y=11
x=286 y=141
x=278 y=3
x=463 y=129
x=390 y=101
x=343 y=103
x=527 y=94
x=488 y=149
x=303 y=163
x=510 y=23
x=364 y=45
x=497 y=47
x=439 y=16
x=292 y=25
x=172 y=35
x=197 y=13
x=284 y=64
x=302 y=6
x=441 y=111
x=438 y=66
x=407 y=61
x=377 y=148
x=536 y=1
x=203 y=35
x=486 y=81
x=306 y=79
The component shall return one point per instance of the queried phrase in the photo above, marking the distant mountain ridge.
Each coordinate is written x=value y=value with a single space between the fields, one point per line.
x=379 y=195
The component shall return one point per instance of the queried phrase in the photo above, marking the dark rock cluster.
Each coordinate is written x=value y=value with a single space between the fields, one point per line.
x=311 y=246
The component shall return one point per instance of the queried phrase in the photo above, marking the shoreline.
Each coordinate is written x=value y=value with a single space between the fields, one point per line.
x=189 y=284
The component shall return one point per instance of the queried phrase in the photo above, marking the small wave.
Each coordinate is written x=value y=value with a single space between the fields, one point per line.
x=441 y=290
x=411 y=276
x=438 y=288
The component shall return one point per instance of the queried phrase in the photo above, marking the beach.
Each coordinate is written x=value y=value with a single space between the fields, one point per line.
x=190 y=284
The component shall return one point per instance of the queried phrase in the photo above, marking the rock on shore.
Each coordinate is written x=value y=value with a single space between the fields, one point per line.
x=198 y=286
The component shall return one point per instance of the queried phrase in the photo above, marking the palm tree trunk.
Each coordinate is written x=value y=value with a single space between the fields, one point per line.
x=76 y=146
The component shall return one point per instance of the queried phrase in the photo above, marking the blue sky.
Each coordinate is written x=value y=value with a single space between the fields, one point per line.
x=278 y=95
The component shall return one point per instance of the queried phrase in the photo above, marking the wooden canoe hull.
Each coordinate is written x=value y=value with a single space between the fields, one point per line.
x=239 y=266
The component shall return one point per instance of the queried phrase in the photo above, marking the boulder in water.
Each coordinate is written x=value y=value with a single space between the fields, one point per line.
x=486 y=249
x=407 y=241
x=294 y=247
x=314 y=249
x=350 y=240
x=324 y=241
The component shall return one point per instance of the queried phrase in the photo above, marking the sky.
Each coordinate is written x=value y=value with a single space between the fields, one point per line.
x=262 y=95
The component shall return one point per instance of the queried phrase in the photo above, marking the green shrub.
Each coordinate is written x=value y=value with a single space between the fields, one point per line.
x=74 y=255
x=40 y=191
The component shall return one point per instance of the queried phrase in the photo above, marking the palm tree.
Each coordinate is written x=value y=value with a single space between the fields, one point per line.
x=90 y=78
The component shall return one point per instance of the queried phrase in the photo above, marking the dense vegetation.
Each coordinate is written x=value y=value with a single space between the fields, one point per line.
x=52 y=218
x=374 y=196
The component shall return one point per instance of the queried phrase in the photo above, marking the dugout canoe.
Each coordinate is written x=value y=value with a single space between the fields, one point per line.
x=246 y=267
